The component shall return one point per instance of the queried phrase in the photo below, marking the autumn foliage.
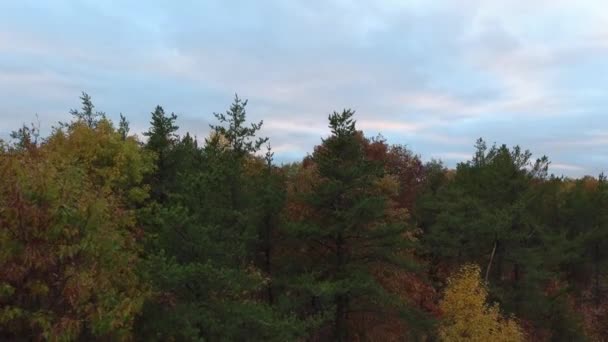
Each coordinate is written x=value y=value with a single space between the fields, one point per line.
x=69 y=255
x=107 y=235
x=466 y=314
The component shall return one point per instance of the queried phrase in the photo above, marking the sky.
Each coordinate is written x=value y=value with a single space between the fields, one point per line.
x=432 y=75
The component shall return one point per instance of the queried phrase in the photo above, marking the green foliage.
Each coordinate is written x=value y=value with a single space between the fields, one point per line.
x=204 y=238
x=232 y=127
x=25 y=137
x=103 y=237
x=123 y=127
x=87 y=114
x=161 y=139
x=346 y=232
x=489 y=214
x=161 y=134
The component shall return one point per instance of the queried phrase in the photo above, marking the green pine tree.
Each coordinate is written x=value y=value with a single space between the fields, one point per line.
x=201 y=254
x=161 y=140
x=347 y=233
x=87 y=114
x=489 y=214
x=123 y=127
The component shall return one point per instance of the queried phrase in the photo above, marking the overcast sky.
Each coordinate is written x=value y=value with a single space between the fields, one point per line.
x=434 y=75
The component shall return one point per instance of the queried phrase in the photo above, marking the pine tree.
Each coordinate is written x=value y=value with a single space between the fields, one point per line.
x=25 y=137
x=87 y=114
x=488 y=214
x=270 y=188
x=577 y=247
x=161 y=134
x=161 y=139
x=232 y=127
x=346 y=231
x=241 y=140
x=201 y=255
x=123 y=127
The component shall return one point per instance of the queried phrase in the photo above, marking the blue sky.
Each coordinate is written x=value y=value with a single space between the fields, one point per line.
x=434 y=75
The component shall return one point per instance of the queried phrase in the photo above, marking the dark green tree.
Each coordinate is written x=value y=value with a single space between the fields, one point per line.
x=241 y=142
x=347 y=232
x=232 y=126
x=87 y=114
x=201 y=255
x=123 y=127
x=25 y=137
x=489 y=214
x=271 y=195
x=161 y=140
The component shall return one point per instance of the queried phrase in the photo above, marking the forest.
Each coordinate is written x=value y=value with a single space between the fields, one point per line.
x=107 y=235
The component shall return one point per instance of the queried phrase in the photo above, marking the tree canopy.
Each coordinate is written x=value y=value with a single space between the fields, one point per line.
x=110 y=235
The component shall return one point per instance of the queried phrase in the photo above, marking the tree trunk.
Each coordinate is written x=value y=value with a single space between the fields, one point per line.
x=491 y=260
x=267 y=252
x=340 y=332
x=596 y=290
x=339 y=325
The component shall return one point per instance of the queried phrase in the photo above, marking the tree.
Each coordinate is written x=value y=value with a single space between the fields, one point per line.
x=201 y=255
x=161 y=134
x=484 y=216
x=123 y=127
x=104 y=237
x=232 y=127
x=577 y=249
x=467 y=316
x=68 y=249
x=87 y=114
x=271 y=194
x=490 y=212
x=241 y=142
x=346 y=231
x=25 y=137
x=161 y=139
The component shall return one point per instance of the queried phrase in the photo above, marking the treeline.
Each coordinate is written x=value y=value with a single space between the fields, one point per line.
x=105 y=236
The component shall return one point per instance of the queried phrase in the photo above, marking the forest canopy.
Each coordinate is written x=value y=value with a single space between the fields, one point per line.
x=107 y=235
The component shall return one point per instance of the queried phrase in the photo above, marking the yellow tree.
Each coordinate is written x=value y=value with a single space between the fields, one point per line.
x=68 y=247
x=467 y=316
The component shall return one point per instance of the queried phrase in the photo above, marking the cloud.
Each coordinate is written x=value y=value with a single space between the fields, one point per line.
x=432 y=75
x=296 y=127
x=566 y=167
x=388 y=126
x=453 y=156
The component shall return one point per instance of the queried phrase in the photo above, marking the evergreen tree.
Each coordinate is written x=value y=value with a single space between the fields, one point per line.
x=271 y=200
x=87 y=114
x=347 y=231
x=123 y=127
x=240 y=137
x=241 y=142
x=578 y=247
x=488 y=214
x=161 y=139
x=201 y=258
x=25 y=137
